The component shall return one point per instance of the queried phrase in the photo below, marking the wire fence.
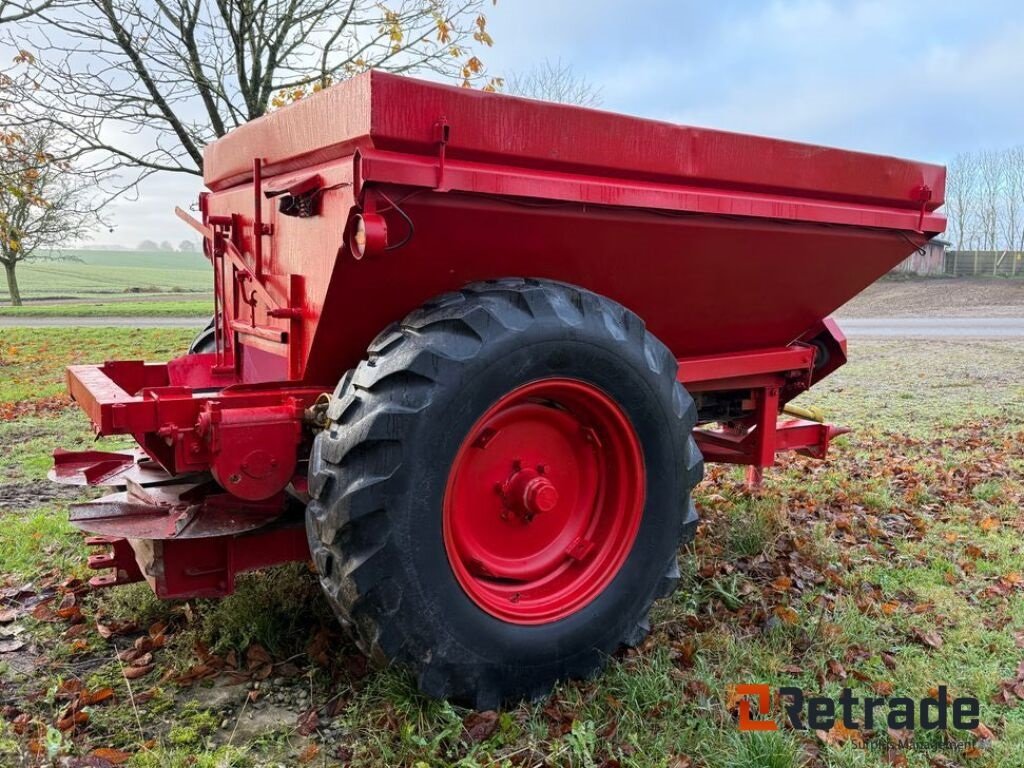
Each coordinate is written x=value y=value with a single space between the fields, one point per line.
x=984 y=263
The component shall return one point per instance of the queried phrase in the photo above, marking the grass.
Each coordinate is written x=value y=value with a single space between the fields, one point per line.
x=177 y=308
x=94 y=274
x=131 y=258
x=32 y=360
x=828 y=577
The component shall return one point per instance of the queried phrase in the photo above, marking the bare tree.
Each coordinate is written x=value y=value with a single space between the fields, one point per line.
x=961 y=198
x=1013 y=209
x=991 y=172
x=13 y=10
x=555 y=81
x=144 y=86
x=44 y=203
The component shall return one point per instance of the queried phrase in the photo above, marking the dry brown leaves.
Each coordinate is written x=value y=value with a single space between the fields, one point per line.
x=1011 y=691
x=42 y=407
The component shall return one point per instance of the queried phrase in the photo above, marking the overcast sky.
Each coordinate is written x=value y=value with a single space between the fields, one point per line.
x=905 y=77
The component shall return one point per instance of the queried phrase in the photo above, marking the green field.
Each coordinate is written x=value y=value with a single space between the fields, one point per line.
x=96 y=274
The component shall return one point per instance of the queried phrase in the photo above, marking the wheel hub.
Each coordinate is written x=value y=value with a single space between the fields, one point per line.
x=543 y=501
x=528 y=493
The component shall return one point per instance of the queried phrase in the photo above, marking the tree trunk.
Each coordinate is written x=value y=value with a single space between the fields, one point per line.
x=12 y=283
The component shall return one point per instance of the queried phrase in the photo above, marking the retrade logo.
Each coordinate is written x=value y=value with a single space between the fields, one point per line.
x=753 y=704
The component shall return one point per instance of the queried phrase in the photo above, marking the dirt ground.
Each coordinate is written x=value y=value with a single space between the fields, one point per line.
x=939 y=297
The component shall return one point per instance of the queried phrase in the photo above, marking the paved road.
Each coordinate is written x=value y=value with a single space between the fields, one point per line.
x=886 y=327
x=935 y=327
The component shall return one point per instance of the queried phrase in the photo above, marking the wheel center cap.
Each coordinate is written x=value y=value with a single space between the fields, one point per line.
x=527 y=492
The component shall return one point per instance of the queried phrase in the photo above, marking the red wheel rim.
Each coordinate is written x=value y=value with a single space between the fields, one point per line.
x=544 y=501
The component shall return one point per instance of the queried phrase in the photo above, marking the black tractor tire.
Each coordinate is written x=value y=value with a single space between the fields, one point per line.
x=378 y=477
x=205 y=341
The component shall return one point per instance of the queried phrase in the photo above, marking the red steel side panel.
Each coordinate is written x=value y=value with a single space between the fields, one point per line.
x=703 y=285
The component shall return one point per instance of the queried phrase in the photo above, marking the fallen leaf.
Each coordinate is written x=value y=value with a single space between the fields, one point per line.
x=836 y=670
x=983 y=733
x=882 y=688
x=840 y=734
x=70 y=721
x=76 y=630
x=95 y=697
x=128 y=654
x=930 y=638
x=107 y=631
x=144 y=660
x=256 y=656
x=308 y=722
x=480 y=726
x=309 y=754
x=195 y=672
x=112 y=756
x=133 y=673
x=786 y=614
x=68 y=688
x=319 y=647
x=21 y=722
x=9 y=646
x=901 y=737
x=989 y=524
x=7 y=615
x=43 y=612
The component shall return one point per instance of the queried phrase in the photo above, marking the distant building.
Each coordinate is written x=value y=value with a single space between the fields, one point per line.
x=929 y=260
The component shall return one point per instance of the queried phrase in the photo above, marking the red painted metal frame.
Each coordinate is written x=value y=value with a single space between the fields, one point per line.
x=191 y=568
x=767 y=379
x=177 y=410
